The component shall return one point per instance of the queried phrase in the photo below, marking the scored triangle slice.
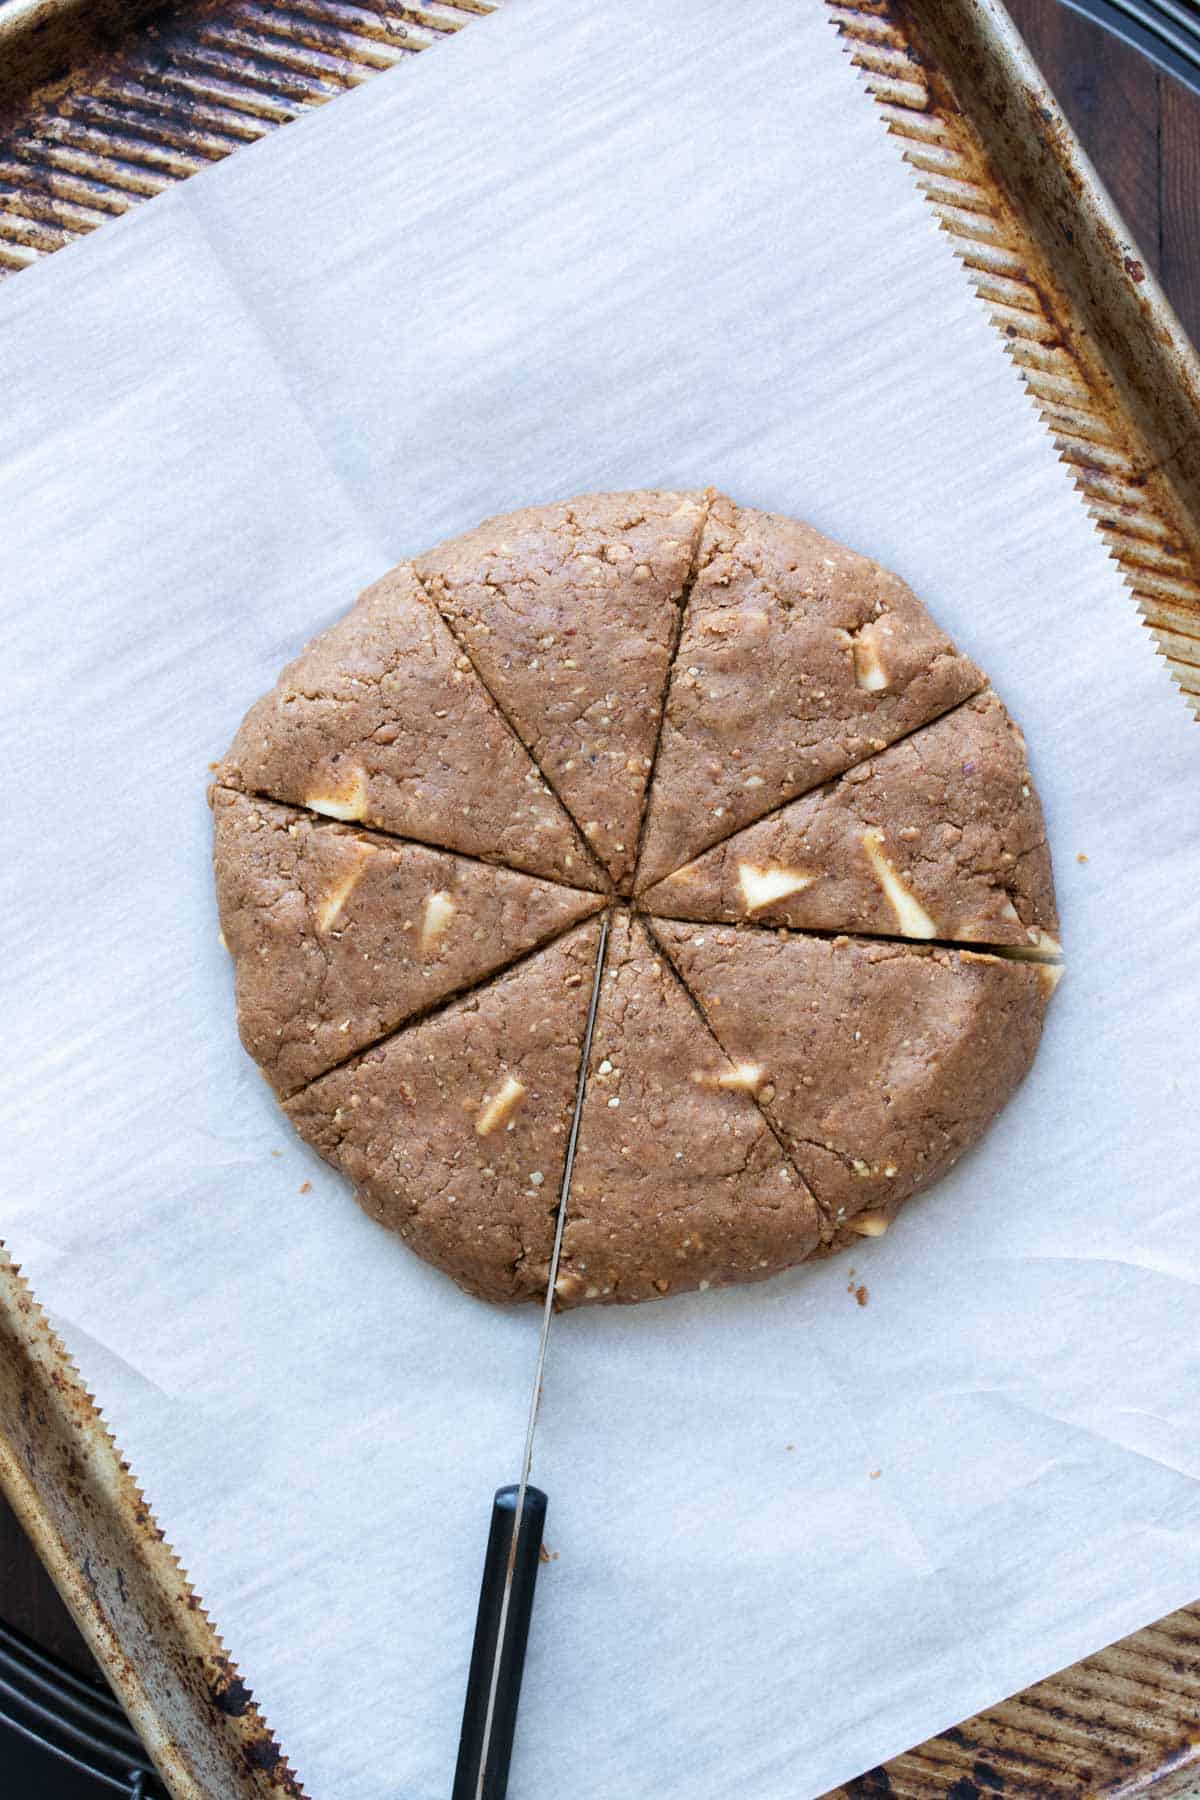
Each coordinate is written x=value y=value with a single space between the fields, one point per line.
x=797 y=659
x=678 y=1180
x=454 y=1131
x=879 y=1064
x=940 y=836
x=570 y=613
x=338 y=936
x=382 y=721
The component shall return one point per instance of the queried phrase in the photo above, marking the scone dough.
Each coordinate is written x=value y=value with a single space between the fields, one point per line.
x=940 y=836
x=798 y=658
x=878 y=1063
x=679 y=1179
x=810 y=822
x=339 y=935
x=454 y=1132
x=571 y=614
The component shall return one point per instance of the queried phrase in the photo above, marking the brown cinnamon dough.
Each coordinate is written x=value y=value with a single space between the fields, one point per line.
x=941 y=836
x=383 y=721
x=679 y=1181
x=798 y=659
x=454 y=1132
x=338 y=936
x=716 y=726
x=878 y=1063
x=570 y=614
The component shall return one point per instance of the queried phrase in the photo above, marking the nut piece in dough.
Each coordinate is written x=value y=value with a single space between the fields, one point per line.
x=357 y=856
x=869 y=1224
x=325 y=925
x=344 y=799
x=400 y=1121
x=962 y=846
x=769 y=682
x=499 y=1109
x=1049 y=975
x=763 y=887
x=570 y=613
x=911 y=918
x=381 y=720
x=887 y=1061
x=682 y=1184
x=749 y=1077
x=869 y=670
x=438 y=912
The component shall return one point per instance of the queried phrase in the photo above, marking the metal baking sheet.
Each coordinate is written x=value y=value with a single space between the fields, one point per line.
x=1120 y=389
x=65 y=1479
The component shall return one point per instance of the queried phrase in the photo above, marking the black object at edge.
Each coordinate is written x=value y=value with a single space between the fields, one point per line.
x=54 y=1720
x=1167 y=31
x=483 y=1652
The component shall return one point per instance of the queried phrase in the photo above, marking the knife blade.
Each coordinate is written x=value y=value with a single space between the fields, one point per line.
x=515 y=1537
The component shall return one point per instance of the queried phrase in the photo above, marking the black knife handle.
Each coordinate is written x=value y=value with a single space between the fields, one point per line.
x=483 y=1653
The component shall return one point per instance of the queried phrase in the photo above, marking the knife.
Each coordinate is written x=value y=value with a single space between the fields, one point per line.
x=514 y=1545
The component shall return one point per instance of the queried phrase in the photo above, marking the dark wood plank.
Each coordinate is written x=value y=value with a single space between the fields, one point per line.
x=1141 y=128
x=1111 y=95
x=1180 y=189
x=29 y=1600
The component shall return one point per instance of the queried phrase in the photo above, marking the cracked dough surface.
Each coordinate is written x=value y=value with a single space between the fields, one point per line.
x=812 y=825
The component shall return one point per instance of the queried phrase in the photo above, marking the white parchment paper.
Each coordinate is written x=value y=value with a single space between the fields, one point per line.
x=581 y=246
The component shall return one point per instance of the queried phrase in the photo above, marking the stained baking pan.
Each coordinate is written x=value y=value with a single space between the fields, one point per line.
x=104 y=105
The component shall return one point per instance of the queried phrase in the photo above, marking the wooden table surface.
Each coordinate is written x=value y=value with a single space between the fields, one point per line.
x=1140 y=127
x=1142 y=130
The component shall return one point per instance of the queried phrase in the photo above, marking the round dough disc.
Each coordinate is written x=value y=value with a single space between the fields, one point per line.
x=808 y=817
